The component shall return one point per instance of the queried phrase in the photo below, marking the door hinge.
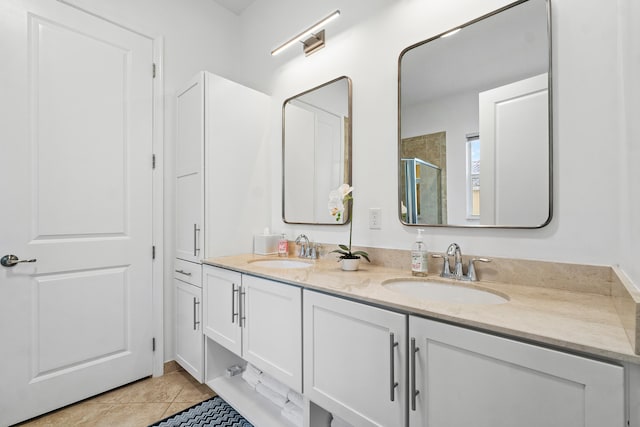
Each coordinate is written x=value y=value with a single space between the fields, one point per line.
x=153 y=344
x=153 y=252
x=153 y=161
x=153 y=70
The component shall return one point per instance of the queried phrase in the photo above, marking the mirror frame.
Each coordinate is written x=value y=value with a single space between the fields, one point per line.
x=348 y=142
x=550 y=114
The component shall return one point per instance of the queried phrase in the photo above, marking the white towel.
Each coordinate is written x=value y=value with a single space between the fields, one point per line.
x=274 y=384
x=293 y=414
x=296 y=398
x=250 y=376
x=275 y=398
x=339 y=422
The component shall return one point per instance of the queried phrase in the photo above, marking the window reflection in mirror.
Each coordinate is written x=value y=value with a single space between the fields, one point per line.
x=316 y=151
x=475 y=106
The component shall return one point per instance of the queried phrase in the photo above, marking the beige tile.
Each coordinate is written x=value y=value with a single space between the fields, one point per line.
x=131 y=415
x=162 y=389
x=137 y=404
x=84 y=413
x=194 y=393
x=172 y=366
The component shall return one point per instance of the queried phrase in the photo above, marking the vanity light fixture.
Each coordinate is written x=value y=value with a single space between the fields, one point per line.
x=311 y=39
x=450 y=33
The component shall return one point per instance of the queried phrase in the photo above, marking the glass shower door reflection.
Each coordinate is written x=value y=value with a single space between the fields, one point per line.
x=423 y=186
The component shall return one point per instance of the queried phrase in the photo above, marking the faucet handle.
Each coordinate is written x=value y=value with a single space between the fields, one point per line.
x=446 y=270
x=471 y=272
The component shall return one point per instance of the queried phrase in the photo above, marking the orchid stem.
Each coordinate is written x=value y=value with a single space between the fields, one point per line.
x=350 y=223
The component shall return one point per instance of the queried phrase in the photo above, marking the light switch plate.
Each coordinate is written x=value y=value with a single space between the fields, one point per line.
x=375 y=218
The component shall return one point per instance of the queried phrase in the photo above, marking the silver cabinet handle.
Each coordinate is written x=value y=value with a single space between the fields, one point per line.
x=11 y=260
x=186 y=273
x=241 y=303
x=414 y=392
x=234 y=314
x=195 y=314
x=392 y=365
x=196 y=230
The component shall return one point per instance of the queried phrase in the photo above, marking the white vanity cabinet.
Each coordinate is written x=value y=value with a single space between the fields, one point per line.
x=221 y=307
x=355 y=360
x=257 y=319
x=460 y=377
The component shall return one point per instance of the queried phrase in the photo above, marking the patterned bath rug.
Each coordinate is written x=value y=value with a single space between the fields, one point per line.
x=214 y=412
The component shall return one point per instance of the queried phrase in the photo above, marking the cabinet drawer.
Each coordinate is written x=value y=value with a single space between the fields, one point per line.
x=189 y=272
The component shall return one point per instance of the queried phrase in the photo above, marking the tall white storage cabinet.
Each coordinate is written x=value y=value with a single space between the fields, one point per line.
x=221 y=191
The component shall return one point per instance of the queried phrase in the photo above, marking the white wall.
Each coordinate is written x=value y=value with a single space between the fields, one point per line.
x=198 y=35
x=630 y=129
x=364 y=43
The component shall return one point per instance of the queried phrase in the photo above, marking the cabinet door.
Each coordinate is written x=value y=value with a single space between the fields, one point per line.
x=468 y=378
x=221 y=315
x=189 y=170
x=272 y=329
x=189 y=338
x=351 y=362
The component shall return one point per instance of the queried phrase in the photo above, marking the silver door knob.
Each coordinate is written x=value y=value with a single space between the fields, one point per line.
x=11 y=260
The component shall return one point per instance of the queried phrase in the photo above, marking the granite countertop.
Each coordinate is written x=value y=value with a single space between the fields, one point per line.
x=582 y=322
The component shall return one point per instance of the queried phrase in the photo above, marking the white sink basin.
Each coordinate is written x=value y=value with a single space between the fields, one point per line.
x=280 y=263
x=444 y=292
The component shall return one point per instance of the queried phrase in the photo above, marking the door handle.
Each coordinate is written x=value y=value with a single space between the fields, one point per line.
x=392 y=367
x=11 y=260
x=195 y=313
x=196 y=249
x=414 y=391
x=234 y=291
x=242 y=308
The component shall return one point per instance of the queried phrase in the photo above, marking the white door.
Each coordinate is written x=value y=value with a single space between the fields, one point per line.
x=222 y=316
x=514 y=153
x=468 y=378
x=75 y=167
x=354 y=360
x=272 y=329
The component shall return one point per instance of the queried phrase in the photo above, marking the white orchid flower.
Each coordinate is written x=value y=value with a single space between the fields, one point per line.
x=336 y=204
x=345 y=189
x=337 y=199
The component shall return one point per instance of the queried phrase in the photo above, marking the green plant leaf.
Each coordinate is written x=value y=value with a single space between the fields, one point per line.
x=338 y=251
x=345 y=247
x=363 y=254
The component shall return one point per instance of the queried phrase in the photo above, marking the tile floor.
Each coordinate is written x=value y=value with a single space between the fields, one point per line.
x=138 y=404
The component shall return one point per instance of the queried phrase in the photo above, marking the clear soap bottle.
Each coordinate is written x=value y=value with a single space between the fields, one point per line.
x=419 y=256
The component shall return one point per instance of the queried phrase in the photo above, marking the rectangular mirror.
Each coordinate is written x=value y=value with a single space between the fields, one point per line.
x=474 y=123
x=316 y=151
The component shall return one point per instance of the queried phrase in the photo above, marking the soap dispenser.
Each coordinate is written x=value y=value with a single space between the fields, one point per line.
x=419 y=256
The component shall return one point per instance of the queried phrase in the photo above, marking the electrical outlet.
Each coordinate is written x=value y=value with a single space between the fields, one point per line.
x=375 y=218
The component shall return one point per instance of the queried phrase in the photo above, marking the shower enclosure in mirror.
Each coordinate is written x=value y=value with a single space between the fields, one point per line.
x=474 y=123
x=316 y=151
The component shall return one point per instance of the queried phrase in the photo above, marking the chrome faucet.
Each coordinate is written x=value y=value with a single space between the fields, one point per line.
x=454 y=251
x=307 y=248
